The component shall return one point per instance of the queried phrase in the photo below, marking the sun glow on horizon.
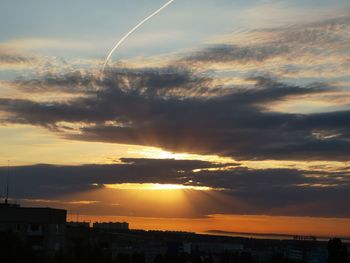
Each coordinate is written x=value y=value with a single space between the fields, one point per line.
x=156 y=186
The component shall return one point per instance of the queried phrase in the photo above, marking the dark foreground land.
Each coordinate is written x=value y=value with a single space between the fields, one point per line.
x=85 y=245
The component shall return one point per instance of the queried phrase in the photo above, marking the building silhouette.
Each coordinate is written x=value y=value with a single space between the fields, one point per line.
x=43 y=229
x=111 y=225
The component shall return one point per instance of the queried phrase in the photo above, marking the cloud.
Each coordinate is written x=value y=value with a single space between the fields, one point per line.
x=52 y=181
x=10 y=58
x=181 y=111
x=14 y=57
x=184 y=109
x=225 y=99
x=305 y=50
x=71 y=82
x=248 y=191
x=230 y=53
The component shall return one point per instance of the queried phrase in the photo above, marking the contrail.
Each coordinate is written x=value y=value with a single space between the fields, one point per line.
x=133 y=30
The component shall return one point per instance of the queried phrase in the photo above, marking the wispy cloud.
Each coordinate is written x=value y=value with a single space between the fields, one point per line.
x=299 y=50
x=12 y=59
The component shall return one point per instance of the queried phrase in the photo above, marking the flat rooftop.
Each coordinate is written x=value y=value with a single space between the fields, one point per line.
x=34 y=215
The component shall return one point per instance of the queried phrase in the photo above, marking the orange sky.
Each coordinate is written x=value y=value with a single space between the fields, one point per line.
x=179 y=209
x=328 y=227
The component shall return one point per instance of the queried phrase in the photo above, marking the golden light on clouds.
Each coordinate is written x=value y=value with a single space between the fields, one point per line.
x=154 y=187
x=26 y=144
x=157 y=153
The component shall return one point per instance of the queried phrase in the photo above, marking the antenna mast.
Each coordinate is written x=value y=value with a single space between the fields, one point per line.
x=7 y=182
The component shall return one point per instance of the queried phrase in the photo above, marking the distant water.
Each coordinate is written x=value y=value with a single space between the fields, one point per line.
x=267 y=236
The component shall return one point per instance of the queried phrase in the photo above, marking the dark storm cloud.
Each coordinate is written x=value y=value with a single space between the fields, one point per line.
x=268 y=191
x=158 y=108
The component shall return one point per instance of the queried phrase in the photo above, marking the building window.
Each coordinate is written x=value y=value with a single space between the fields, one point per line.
x=34 y=228
x=57 y=228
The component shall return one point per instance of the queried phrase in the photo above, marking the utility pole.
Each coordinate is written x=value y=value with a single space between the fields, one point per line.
x=7 y=182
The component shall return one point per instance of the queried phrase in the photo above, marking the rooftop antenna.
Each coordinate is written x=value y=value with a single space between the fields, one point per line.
x=7 y=182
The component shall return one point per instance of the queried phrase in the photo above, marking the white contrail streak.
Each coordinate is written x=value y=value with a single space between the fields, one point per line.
x=133 y=30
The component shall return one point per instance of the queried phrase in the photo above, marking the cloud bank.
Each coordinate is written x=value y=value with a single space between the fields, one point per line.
x=180 y=111
x=246 y=191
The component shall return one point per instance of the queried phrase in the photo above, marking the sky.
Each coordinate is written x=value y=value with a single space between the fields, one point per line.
x=214 y=115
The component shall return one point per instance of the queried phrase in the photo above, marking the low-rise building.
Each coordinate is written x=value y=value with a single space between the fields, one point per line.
x=78 y=224
x=41 y=228
x=111 y=226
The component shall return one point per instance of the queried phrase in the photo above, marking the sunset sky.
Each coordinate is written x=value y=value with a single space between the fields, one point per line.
x=214 y=115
